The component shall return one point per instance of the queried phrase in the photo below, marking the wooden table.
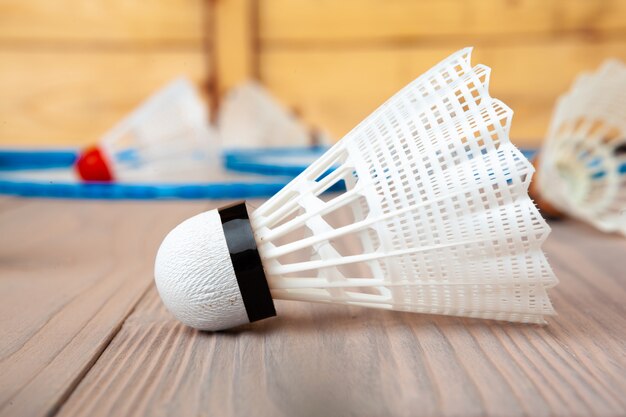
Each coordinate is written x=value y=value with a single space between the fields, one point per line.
x=83 y=332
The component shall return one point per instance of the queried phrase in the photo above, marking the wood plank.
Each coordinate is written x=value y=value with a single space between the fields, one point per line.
x=364 y=21
x=337 y=88
x=71 y=272
x=234 y=42
x=336 y=360
x=84 y=21
x=71 y=98
x=8 y=203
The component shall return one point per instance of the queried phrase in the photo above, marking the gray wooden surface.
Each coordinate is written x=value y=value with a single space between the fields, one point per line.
x=83 y=332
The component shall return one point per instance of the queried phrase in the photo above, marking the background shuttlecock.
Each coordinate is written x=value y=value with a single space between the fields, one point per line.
x=167 y=134
x=582 y=165
x=249 y=117
x=435 y=219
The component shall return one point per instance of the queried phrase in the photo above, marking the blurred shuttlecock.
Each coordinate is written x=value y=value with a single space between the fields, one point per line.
x=435 y=219
x=250 y=117
x=582 y=165
x=167 y=134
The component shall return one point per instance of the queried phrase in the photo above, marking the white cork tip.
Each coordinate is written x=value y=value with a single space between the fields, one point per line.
x=195 y=278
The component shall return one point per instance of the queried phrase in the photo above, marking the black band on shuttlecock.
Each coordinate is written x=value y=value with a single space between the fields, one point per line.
x=246 y=261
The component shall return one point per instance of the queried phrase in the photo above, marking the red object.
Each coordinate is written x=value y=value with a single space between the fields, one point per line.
x=92 y=165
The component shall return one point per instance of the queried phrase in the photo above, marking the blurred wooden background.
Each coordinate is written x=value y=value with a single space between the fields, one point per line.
x=69 y=70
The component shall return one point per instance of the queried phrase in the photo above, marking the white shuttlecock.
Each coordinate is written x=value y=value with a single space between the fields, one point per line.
x=168 y=133
x=435 y=219
x=249 y=117
x=582 y=166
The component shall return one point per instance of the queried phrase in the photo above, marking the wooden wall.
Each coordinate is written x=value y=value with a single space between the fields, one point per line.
x=337 y=60
x=68 y=73
x=70 y=69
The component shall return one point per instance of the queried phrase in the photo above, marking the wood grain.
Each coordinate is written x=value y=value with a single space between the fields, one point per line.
x=370 y=21
x=102 y=21
x=61 y=98
x=315 y=360
x=337 y=87
x=70 y=274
